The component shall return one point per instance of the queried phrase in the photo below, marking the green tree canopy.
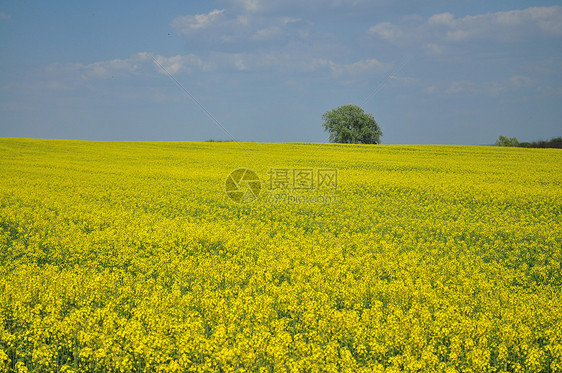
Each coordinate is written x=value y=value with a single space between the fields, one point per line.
x=507 y=141
x=351 y=125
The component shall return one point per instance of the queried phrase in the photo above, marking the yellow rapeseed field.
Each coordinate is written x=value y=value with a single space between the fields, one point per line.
x=131 y=257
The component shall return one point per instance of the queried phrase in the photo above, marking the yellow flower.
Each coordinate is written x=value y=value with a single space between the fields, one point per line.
x=131 y=257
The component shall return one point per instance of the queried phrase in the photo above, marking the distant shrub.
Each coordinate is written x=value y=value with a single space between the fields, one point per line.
x=552 y=143
x=512 y=141
x=505 y=141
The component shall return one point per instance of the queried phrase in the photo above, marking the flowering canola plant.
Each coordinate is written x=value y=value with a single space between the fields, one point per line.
x=130 y=257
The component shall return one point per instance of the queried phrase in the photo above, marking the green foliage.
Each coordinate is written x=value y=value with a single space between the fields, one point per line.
x=552 y=143
x=512 y=141
x=351 y=125
x=505 y=141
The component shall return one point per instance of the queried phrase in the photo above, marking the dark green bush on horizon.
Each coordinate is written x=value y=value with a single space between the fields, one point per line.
x=555 y=142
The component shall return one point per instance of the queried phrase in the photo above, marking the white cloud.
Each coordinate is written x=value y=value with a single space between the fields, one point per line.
x=435 y=49
x=205 y=30
x=488 y=88
x=243 y=20
x=287 y=20
x=267 y=33
x=138 y=64
x=316 y=64
x=466 y=86
x=142 y=63
x=249 y=5
x=446 y=19
x=388 y=31
x=185 y=25
x=521 y=81
x=546 y=19
x=359 y=67
x=271 y=6
x=117 y=68
x=117 y=78
x=179 y=64
x=217 y=28
x=403 y=80
x=59 y=76
x=510 y=26
x=273 y=61
x=137 y=77
x=432 y=89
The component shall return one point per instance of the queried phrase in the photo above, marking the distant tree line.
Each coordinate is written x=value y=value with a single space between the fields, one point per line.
x=555 y=142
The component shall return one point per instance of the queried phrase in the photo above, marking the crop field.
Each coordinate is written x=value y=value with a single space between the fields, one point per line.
x=143 y=257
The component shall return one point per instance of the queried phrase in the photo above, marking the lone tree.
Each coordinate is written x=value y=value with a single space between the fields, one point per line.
x=349 y=124
x=507 y=141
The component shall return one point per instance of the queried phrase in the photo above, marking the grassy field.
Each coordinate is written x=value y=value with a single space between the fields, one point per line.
x=131 y=257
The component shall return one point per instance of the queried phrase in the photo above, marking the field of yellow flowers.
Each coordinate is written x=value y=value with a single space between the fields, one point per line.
x=131 y=257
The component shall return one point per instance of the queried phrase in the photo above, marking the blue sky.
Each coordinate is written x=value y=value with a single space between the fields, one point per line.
x=431 y=72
